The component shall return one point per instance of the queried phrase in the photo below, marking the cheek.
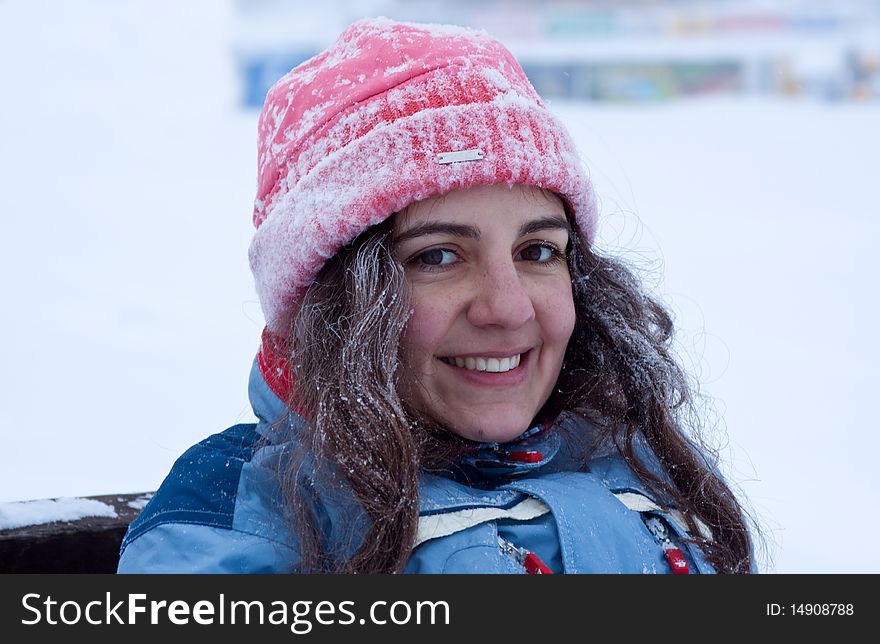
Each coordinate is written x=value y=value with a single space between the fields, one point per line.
x=425 y=330
x=555 y=309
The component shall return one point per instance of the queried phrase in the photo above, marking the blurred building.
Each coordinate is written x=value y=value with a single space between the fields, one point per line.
x=603 y=50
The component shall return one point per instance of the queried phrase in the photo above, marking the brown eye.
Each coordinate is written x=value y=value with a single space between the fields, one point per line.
x=538 y=253
x=436 y=257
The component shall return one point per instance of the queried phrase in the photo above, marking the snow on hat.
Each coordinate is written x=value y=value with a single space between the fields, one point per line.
x=390 y=114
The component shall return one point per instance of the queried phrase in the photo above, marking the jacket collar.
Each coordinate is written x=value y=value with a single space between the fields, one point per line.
x=493 y=463
x=267 y=404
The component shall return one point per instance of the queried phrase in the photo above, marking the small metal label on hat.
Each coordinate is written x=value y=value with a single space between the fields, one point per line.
x=445 y=158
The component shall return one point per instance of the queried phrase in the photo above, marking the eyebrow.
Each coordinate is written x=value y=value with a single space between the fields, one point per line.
x=472 y=232
x=544 y=223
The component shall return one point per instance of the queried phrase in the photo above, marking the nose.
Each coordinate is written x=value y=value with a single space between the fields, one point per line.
x=500 y=297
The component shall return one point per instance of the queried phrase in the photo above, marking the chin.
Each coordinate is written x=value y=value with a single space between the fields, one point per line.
x=493 y=433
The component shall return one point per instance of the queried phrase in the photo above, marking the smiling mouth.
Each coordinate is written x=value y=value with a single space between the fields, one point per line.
x=491 y=365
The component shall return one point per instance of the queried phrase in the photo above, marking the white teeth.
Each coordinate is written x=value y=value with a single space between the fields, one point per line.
x=492 y=365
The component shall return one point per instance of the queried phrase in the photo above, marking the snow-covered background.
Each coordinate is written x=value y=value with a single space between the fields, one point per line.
x=127 y=172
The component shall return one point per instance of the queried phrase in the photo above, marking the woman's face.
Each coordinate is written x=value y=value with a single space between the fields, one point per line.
x=492 y=307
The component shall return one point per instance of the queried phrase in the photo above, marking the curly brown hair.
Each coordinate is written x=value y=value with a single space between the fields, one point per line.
x=619 y=373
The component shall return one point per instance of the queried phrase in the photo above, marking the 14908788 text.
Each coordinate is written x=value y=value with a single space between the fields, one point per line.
x=804 y=609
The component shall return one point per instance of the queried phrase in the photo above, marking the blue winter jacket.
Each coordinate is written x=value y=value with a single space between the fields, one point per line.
x=218 y=511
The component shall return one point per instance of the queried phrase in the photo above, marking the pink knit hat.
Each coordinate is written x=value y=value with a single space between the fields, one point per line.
x=390 y=114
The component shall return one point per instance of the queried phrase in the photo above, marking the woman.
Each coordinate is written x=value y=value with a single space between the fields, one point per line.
x=451 y=379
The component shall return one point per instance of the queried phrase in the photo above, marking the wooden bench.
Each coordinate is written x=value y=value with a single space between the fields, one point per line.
x=84 y=545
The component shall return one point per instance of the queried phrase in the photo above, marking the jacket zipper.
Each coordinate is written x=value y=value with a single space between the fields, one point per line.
x=673 y=553
x=525 y=558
